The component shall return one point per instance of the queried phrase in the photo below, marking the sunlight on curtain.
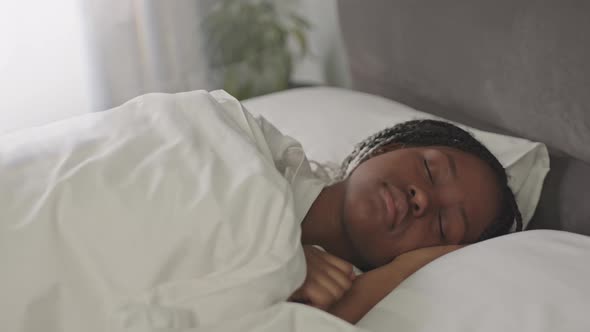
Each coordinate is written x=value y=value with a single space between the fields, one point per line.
x=141 y=46
x=43 y=63
x=68 y=57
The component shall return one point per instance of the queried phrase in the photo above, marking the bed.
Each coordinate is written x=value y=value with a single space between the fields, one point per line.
x=515 y=68
x=83 y=246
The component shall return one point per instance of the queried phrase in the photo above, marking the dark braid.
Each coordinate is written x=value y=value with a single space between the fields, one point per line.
x=438 y=133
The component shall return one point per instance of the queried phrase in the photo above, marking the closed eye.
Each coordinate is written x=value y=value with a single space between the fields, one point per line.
x=428 y=171
x=440 y=227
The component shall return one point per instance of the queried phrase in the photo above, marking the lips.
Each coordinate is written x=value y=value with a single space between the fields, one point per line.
x=395 y=205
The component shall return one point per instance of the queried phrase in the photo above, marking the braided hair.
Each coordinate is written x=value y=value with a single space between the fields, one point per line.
x=418 y=133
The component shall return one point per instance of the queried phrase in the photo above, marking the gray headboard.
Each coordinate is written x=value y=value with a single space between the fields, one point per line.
x=519 y=67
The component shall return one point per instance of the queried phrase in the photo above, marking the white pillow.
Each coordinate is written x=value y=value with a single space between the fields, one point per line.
x=330 y=121
x=530 y=281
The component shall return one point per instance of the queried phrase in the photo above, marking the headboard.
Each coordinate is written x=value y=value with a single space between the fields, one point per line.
x=514 y=67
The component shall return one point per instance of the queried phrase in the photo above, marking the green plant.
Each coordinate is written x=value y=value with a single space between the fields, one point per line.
x=252 y=44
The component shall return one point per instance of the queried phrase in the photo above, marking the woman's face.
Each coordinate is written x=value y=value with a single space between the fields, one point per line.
x=411 y=198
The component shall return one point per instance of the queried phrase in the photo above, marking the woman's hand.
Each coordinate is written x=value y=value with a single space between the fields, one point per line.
x=373 y=286
x=328 y=279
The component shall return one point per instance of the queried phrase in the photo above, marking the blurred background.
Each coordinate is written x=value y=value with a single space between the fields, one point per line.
x=68 y=57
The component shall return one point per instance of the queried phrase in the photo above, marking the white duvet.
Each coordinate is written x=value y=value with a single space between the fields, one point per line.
x=166 y=213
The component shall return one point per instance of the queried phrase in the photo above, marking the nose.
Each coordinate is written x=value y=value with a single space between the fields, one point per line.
x=419 y=200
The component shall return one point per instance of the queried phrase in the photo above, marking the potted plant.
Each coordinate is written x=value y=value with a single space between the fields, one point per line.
x=252 y=44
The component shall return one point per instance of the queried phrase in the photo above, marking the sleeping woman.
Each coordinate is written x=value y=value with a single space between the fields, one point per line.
x=185 y=210
x=404 y=197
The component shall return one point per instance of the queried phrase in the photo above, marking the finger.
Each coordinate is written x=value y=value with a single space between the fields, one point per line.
x=339 y=263
x=318 y=296
x=338 y=277
x=298 y=297
x=335 y=288
x=340 y=271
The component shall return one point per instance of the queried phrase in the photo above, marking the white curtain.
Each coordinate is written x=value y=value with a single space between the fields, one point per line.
x=143 y=46
x=140 y=46
x=68 y=57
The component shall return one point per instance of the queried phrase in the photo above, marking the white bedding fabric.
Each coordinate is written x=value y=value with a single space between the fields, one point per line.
x=534 y=281
x=166 y=213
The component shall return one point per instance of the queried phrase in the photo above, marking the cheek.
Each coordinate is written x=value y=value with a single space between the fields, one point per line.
x=385 y=247
x=358 y=212
x=482 y=207
x=415 y=234
x=358 y=200
x=364 y=229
